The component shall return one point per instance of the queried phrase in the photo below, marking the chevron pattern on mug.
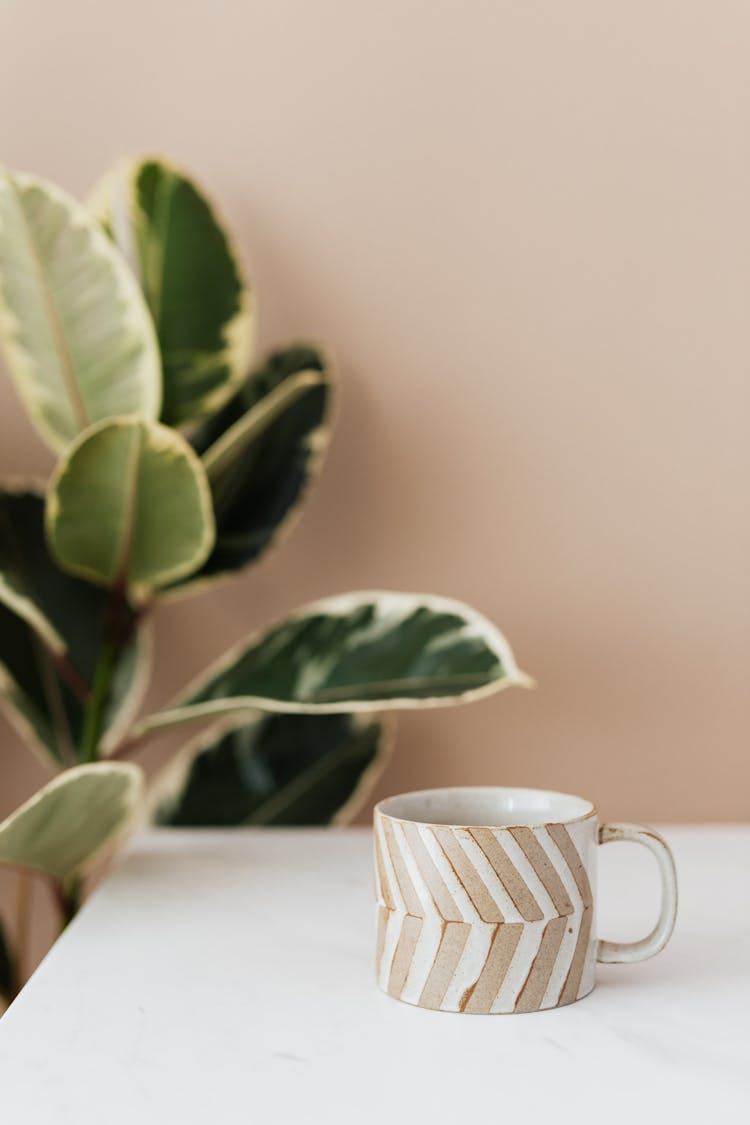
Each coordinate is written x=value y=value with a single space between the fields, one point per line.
x=484 y=919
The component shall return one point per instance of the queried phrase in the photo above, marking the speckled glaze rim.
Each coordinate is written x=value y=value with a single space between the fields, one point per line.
x=382 y=807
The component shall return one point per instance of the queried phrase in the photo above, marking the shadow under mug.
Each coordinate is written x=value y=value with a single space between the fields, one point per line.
x=487 y=897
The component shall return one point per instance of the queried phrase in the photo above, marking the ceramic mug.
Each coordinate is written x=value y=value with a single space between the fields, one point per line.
x=487 y=898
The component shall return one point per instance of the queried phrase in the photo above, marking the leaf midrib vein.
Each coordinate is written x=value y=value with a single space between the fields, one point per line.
x=408 y=683
x=125 y=547
x=66 y=363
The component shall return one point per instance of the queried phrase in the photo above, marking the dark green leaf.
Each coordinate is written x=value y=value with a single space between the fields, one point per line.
x=261 y=451
x=277 y=769
x=191 y=279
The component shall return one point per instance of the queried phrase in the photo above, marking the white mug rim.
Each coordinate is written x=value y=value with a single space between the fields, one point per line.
x=484 y=791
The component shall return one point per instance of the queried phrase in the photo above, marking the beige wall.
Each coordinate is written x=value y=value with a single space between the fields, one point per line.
x=524 y=227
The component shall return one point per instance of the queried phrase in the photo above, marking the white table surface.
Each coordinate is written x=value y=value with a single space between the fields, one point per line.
x=227 y=977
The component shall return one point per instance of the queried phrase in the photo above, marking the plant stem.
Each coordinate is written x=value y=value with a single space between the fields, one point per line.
x=19 y=954
x=130 y=746
x=69 y=673
x=23 y=914
x=118 y=627
x=68 y=896
x=94 y=715
x=73 y=892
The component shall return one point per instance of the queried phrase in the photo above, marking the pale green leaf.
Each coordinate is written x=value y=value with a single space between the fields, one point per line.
x=191 y=277
x=73 y=820
x=368 y=651
x=78 y=338
x=129 y=504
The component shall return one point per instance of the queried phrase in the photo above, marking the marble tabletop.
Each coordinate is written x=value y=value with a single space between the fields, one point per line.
x=227 y=978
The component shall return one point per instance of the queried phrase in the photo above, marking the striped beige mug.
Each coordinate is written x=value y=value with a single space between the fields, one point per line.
x=486 y=898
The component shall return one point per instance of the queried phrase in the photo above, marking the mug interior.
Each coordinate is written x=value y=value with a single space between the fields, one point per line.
x=486 y=807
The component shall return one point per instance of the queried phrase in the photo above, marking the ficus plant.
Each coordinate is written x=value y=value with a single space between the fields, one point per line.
x=127 y=328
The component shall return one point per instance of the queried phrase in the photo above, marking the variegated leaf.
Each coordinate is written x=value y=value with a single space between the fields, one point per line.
x=273 y=770
x=73 y=820
x=78 y=339
x=261 y=452
x=191 y=277
x=129 y=505
x=52 y=624
x=368 y=651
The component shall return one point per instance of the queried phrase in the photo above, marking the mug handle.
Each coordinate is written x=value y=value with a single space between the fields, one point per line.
x=621 y=952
